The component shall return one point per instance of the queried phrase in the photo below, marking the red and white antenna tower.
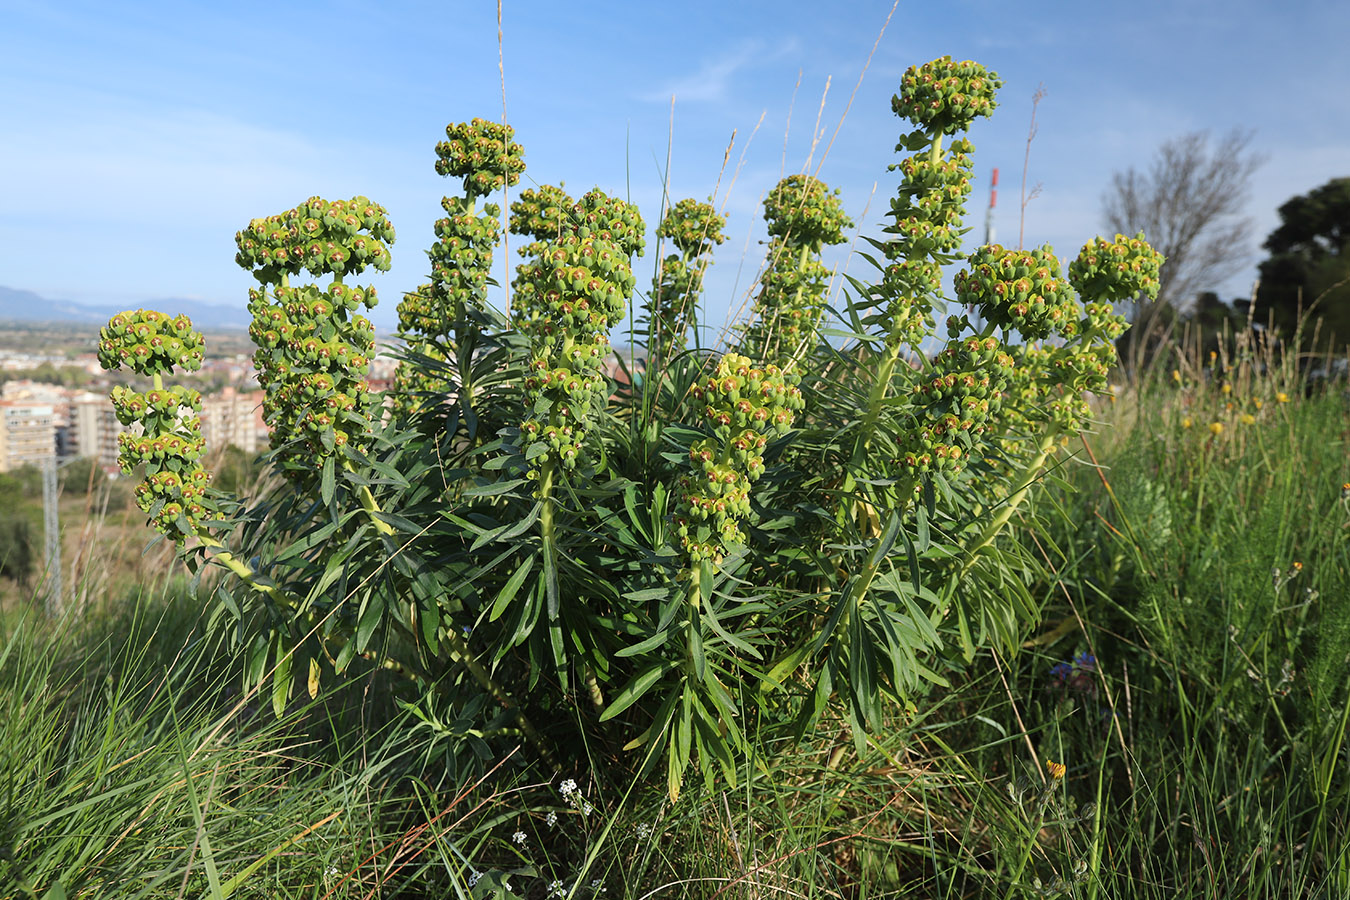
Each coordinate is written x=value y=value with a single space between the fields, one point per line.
x=989 y=213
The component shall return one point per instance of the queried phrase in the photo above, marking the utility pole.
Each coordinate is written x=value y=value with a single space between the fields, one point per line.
x=51 y=527
x=989 y=213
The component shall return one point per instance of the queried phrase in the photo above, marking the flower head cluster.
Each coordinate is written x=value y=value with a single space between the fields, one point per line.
x=543 y=214
x=318 y=236
x=312 y=361
x=1021 y=289
x=803 y=212
x=931 y=203
x=944 y=97
x=1117 y=270
x=803 y=215
x=170 y=444
x=483 y=153
x=567 y=298
x=150 y=343
x=954 y=402
x=695 y=229
x=314 y=351
x=743 y=405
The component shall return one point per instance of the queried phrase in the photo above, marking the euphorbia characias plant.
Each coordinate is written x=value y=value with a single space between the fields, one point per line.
x=695 y=229
x=439 y=318
x=788 y=528
x=803 y=216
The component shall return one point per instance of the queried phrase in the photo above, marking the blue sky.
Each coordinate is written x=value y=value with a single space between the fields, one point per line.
x=136 y=138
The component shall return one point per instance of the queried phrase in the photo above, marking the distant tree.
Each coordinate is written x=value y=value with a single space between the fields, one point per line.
x=81 y=475
x=16 y=548
x=1309 y=264
x=1190 y=205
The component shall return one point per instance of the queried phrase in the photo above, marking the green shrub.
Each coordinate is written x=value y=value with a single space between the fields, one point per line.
x=675 y=574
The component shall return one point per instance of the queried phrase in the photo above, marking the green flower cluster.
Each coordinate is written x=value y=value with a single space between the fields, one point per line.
x=544 y=214
x=319 y=237
x=486 y=156
x=944 y=97
x=314 y=351
x=931 y=203
x=694 y=228
x=483 y=153
x=169 y=445
x=802 y=211
x=312 y=361
x=803 y=215
x=567 y=298
x=1117 y=270
x=150 y=343
x=955 y=402
x=743 y=405
x=1021 y=289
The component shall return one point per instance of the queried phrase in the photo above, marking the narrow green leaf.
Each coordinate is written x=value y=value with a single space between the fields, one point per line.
x=636 y=688
x=508 y=591
x=281 y=676
x=328 y=481
x=368 y=619
x=494 y=488
x=651 y=643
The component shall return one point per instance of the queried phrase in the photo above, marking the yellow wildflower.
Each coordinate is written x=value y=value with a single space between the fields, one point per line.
x=1186 y=422
x=1176 y=375
x=1281 y=397
x=1248 y=419
x=1216 y=428
x=1227 y=388
x=1258 y=404
x=1055 y=769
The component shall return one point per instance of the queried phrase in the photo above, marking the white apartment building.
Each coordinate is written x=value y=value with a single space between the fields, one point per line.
x=27 y=434
x=94 y=428
x=234 y=417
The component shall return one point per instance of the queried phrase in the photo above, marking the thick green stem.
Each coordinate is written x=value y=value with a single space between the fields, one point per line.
x=371 y=507
x=1030 y=475
x=460 y=650
x=882 y=383
x=876 y=397
x=695 y=593
x=546 y=499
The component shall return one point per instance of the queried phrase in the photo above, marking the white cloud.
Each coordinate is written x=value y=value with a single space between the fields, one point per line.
x=712 y=81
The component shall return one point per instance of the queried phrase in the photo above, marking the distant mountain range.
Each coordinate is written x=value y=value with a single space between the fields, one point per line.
x=26 y=306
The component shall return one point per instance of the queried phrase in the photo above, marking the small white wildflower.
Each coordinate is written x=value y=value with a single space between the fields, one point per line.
x=552 y=819
x=519 y=838
x=644 y=831
x=506 y=885
x=586 y=808
x=556 y=889
x=597 y=886
x=568 y=787
x=474 y=876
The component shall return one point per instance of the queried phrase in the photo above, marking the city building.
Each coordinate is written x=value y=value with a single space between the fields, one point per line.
x=94 y=429
x=234 y=417
x=27 y=434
